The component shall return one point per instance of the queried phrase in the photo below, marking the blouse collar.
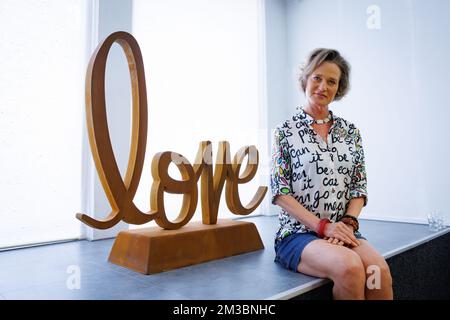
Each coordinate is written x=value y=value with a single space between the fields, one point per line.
x=308 y=119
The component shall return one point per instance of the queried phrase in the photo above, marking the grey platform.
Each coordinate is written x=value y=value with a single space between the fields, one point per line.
x=42 y=272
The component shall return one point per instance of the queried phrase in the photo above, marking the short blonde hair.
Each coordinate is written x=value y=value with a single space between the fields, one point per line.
x=316 y=58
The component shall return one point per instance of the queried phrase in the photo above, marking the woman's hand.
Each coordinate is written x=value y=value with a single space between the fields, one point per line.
x=334 y=241
x=340 y=232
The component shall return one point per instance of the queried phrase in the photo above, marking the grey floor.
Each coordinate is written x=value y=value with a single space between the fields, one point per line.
x=42 y=272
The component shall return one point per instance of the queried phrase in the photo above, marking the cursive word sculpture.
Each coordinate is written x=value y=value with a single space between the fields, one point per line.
x=120 y=192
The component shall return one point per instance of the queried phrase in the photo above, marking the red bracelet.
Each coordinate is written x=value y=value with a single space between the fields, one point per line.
x=321 y=227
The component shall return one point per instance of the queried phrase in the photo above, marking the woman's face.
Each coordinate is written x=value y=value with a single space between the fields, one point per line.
x=323 y=84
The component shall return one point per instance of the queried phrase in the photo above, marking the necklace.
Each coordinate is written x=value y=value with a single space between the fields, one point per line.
x=322 y=121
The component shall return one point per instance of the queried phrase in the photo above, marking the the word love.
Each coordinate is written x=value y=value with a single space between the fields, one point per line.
x=120 y=192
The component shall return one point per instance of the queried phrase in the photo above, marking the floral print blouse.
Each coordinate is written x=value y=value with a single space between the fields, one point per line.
x=321 y=176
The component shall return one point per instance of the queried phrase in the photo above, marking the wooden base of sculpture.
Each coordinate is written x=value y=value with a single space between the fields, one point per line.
x=153 y=250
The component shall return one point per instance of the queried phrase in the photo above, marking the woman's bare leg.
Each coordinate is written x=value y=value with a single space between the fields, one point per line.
x=340 y=264
x=379 y=281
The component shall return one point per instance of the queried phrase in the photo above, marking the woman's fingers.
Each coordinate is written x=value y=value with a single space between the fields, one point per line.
x=341 y=232
x=351 y=242
x=347 y=240
x=335 y=241
x=347 y=235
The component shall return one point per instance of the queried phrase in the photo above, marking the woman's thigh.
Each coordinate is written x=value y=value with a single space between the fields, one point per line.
x=324 y=260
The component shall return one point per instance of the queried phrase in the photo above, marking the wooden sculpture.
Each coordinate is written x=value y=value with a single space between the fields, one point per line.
x=154 y=249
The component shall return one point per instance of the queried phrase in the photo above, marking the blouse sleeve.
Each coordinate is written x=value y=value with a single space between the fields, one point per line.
x=280 y=175
x=358 y=185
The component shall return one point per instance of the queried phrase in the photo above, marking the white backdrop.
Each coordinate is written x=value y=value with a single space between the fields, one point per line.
x=399 y=94
x=202 y=63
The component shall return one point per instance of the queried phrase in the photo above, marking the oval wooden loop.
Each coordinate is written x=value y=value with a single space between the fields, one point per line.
x=162 y=182
x=120 y=193
x=160 y=171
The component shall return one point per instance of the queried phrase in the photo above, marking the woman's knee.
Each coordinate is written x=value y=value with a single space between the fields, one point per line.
x=386 y=277
x=379 y=273
x=350 y=269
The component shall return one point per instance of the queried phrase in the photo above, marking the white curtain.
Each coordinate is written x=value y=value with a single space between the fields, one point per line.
x=43 y=58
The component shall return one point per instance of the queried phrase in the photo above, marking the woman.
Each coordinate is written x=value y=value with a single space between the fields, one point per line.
x=318 y=179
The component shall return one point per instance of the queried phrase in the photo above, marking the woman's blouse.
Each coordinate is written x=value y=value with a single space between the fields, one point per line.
x=321 y=176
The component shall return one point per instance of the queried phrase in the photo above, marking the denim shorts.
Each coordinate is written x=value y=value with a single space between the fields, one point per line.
x=288 y=251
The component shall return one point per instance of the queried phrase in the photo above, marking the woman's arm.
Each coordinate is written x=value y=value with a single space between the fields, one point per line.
x=355 y=206
x=297 y=211
x=358 y=184
x=354 y=209
x=336 y=230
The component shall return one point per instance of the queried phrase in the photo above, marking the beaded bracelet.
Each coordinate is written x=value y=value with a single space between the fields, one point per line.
x=350 y=220
x=351 y=223
x=350 y=216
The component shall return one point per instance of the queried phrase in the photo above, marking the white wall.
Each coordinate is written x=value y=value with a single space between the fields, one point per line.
x=398 y=96
x=108 y=16
x=201 y=61
x=277 y=63
x=277 y=75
